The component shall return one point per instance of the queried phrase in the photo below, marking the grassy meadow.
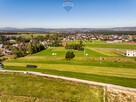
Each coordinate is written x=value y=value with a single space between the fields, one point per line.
x=103 y=44
x=101 y=65
x=112 y=45
x=30 y=88
x=29 y=35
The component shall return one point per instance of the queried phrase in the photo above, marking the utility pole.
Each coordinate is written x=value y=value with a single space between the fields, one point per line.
x=84 y=52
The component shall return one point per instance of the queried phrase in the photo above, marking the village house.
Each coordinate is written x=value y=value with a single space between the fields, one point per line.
x=93 y=38
x=44 y=42
x=21 y=43
x=7 y=52
x=110 y=41
x=64 y=43
x=130 y=53
x=15 y=45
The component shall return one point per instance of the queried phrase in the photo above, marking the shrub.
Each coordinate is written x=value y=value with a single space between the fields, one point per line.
x=69 y=55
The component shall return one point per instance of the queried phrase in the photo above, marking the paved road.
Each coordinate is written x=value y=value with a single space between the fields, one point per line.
x=73 y=79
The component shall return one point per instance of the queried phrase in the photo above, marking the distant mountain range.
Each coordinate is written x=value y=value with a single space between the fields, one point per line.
x=69 y=29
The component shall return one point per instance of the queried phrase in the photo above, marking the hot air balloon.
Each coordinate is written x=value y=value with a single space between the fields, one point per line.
x=68 y=5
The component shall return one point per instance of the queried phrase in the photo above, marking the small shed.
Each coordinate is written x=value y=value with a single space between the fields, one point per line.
x=31 y=66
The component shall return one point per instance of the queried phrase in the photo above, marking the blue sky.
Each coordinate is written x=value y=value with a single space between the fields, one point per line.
x=51 y=14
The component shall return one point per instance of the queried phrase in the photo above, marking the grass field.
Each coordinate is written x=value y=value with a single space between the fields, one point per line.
x=29 y=35
x=8 y=56
x=113 y=68
x=61 y=53
x=123 y=74
x=29 y=88
x=92 y=52
x=103 y=44
x=112 y=45
x=109 y=52
x=106 y=65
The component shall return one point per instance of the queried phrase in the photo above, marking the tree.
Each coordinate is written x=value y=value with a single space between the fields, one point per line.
x=19 y=54
x=30 y=48
x=22 y=49
x=81 y=42
x=69 y=55
x=0 y=54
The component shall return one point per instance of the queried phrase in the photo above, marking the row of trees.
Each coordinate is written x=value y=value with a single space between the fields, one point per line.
x=78 y=47
x=28 y=48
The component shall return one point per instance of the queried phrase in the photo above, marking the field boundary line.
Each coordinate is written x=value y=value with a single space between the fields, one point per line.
x=72 y=79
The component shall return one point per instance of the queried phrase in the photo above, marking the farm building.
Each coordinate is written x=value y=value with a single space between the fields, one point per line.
x=130 y=53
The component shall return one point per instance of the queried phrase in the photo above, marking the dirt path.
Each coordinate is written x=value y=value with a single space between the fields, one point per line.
x=73 y=79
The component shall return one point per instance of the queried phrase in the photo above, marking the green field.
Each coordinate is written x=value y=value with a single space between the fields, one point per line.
x=29 y=88
x=60 y=52
x=112 y=45
x=29 y=35
x=109 y=52
x=104 y=63
x=103 y=44
x=113 y=68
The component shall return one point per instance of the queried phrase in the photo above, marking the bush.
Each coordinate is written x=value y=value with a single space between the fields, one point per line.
x=18 y=54
x=0 y=54
x=69 y=55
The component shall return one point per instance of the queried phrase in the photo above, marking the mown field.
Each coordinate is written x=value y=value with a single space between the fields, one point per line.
x=103 y=44
x=113 y=45
x=61 y=51
x=16 y=87
x=104 y=65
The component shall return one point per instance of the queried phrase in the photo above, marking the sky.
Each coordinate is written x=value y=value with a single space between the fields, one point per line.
x=51 y=14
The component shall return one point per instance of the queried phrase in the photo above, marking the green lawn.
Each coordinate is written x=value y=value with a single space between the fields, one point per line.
x=109 y=52
x=111 y=45
x=103 y=44
x=122 y=81
x=26 y=88
x=74 y=62
x=115 y=72
x=29 y=35
x=60 y=52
